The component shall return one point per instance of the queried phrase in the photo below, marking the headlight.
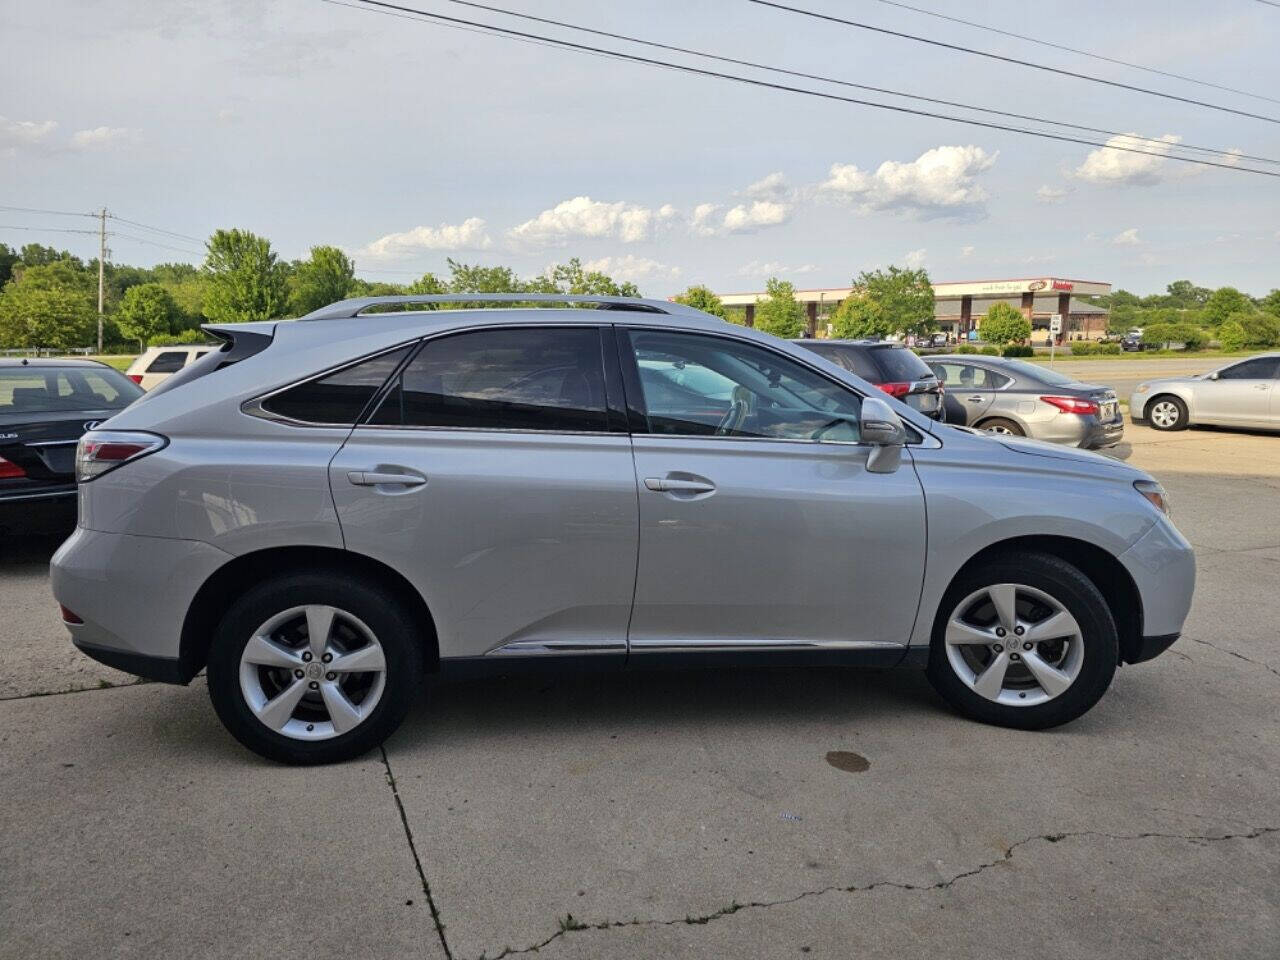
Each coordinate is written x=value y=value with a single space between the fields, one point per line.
x=1141 y=388
x=1154 y=493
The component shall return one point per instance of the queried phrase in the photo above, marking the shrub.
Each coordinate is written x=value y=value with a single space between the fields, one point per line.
x=1110 y=349
x=1231 y=335
x=966 y=348
x=1004 y=324
x=1260 y=330
x=1013 y=350
x=1083 y=348
x=990 y=351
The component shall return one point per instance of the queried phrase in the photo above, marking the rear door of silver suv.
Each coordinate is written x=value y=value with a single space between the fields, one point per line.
x=496 y=474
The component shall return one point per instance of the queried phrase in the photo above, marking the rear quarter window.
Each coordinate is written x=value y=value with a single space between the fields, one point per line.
x=339 y=397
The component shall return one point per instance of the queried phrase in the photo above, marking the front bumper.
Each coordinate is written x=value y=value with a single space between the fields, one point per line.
x=1163 y=567
x=1148 y=648
x=133 y=594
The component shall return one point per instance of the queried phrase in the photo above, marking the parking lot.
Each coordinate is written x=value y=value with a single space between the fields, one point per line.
x=764 y=813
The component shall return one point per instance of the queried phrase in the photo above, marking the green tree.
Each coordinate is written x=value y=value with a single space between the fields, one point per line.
x=1184 y=293
x=326 y=277
x=1223 y=302
x=780 y=314
x=147 y=311
x=49 y=305
x=858 y=317
x=573 y=279
x=37 y=255
x=1004 y=324
x=8 y=257
x=246 y=280
x=701 y=298
x=1231 y=334
x=1271 y=303
x=474 y=278
x=897 y=300
x=1260 y=329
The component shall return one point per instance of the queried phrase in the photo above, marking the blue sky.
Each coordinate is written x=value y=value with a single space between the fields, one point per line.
x=405 y=143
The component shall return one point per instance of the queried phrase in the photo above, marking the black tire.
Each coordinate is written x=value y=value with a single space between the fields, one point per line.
x=1082 y=599
x=379 y=609
x=1181 y=420
x=1005 y=426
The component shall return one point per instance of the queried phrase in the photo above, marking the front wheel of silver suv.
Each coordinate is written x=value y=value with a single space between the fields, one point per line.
x=1025 y=640
x=314 y=668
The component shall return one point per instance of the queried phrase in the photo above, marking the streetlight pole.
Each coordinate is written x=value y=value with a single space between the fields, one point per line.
x=102 y=256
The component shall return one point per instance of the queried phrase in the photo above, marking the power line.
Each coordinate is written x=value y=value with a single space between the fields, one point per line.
x=699 y=71
x=59 y=213
x=171 y=233
x=13 y=226
x=166 y=246
x=844 y=83
x=1083 y=53
x=996 y=56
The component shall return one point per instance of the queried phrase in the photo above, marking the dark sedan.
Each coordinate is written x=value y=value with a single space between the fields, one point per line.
x=890 y=366
x=45 y=407
x=1028 y=400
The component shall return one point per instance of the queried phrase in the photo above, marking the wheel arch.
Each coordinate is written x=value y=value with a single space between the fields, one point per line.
x=1179 y=393
x=1102 y=567
x=980 y=423
x=233 y=577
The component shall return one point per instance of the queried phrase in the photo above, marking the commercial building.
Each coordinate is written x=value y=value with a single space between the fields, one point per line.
x=958 y=308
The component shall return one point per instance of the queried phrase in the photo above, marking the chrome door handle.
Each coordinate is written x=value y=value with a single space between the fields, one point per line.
x=1262 y=386
x=975 y=399
x=372 y=478
x=667 y=485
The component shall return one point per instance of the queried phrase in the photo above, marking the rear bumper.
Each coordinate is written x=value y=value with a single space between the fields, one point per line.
x=1100 y=434
x=162 y=669
x=133 y=594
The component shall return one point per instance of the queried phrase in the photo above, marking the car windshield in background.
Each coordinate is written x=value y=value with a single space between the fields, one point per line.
x=901 y=365
x=26 y=390
x=1039 y=372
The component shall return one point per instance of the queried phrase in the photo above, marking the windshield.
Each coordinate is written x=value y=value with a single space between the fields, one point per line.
x=1039 y=372
x=51 y=389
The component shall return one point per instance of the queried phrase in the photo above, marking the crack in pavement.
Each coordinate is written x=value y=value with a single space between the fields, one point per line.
x=572 y=925
x=413 y=850
x=102 y=685
x=1232 y=653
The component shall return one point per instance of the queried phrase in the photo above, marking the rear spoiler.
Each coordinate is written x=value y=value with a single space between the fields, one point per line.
x=239 y=342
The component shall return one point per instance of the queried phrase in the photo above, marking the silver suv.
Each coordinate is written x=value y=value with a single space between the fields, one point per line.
x=326 y=509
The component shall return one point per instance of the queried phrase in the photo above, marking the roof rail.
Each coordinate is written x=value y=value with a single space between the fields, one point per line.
x=346 y=309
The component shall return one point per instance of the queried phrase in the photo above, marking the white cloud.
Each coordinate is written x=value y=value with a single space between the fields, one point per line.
x=772 y=187
x=1126 y=238
x=745 y=218
x=701 y=221
x=939 y=183
x=631 y=267
x=774 y=268
x=582 y=217
x=1121 y=168
x=99 y=138
x=468 y=235
x=966 y=251
x=17 y=134
x=1048 y=194
x=915 y=258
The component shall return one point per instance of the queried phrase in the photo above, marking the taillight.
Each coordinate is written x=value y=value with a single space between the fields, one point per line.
x=1072 y=404
x=895 y=389
x=9 y=470
x=135 y=377
x=102 y=450
x=68 y=616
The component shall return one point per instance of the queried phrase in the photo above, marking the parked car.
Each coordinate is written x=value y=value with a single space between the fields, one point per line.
x=159 y=363
x=938 y=340
x=327 y=508
x=892 y=367
x=1021 y=399
x=1245 y=393
x=1131 y=342
x=45 y=407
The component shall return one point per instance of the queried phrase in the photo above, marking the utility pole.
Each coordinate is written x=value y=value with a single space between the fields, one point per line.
x=102 y=255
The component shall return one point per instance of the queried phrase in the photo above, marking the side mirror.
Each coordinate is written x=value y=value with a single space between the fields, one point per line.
x=1214 y=375
x=879 y=426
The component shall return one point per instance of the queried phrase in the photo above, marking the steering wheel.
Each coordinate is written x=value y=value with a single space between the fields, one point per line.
x=740 y=407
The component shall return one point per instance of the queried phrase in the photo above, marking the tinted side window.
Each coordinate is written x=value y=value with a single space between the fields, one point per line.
x=171 y=361
x=1259 y=368
x=341 y=396
x=712 y=386
x=899 y=365
x=965 y=376
x=533 y=378
x=851 y=358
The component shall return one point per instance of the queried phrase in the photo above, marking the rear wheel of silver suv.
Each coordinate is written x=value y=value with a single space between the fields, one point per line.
x=314 y=668
x=1025 y=641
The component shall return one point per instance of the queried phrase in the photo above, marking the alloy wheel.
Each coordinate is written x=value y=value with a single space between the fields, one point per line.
x=1165 y=413
x=312 y=672
x=1014 y=644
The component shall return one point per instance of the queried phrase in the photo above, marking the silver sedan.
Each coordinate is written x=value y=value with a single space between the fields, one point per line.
x=1242 y=394
x=1027 y=400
